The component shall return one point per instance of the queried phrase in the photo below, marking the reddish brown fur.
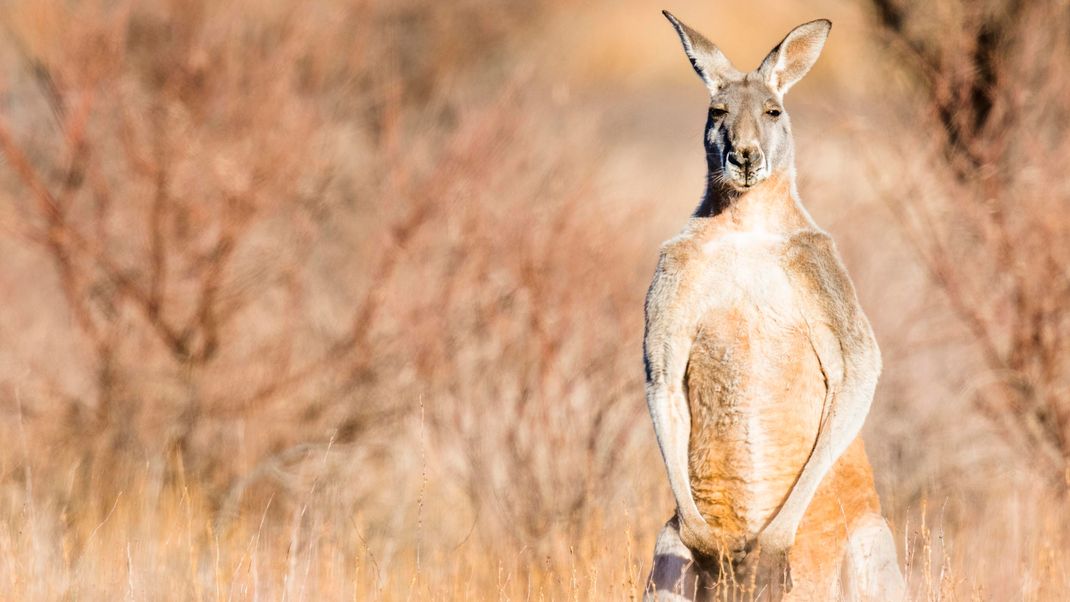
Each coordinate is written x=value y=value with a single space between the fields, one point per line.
x=846 y=494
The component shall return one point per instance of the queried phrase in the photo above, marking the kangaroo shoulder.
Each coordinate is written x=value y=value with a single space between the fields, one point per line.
x=811 y=255
x=678 y=252
x=812 y=259
x=810 y=242
x=671 y=288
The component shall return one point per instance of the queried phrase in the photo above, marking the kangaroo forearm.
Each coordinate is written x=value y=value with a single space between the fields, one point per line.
x=672 y=426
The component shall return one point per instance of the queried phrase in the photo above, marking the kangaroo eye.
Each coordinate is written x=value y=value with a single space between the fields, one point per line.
x=718 y=112
x=773 y=113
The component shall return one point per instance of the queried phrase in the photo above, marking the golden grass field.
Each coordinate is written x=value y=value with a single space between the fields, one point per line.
x=342 y=299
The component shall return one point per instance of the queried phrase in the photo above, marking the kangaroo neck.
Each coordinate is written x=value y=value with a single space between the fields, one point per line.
x=769 y=205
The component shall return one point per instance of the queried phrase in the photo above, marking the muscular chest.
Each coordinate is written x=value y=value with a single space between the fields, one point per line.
x=752 y=342
x=742 y=280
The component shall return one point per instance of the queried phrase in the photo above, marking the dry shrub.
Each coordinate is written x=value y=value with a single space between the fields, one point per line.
x=532 y=378
x=307 y=275
x=984 y=91
x=172 y=187
x=983 y=209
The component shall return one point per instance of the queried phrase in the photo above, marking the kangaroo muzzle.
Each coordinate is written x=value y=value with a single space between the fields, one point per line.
x=746 y=166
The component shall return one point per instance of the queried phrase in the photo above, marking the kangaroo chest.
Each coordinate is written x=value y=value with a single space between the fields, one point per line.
x=756 y=389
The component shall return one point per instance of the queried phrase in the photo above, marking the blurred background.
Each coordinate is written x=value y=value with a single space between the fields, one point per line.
x=342 y=299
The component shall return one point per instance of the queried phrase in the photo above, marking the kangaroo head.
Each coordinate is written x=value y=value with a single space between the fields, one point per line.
x=748 y=133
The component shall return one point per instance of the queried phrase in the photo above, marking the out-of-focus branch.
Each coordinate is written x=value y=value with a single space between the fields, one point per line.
x=987 y=234
x=461 y=161
x=962 y=72
x=56 y=238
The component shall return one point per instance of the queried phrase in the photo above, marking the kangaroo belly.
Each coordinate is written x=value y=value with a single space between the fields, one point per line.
x=756 y=392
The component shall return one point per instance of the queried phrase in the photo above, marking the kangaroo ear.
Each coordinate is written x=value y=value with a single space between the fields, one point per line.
x=708 y=60
x=792 y=58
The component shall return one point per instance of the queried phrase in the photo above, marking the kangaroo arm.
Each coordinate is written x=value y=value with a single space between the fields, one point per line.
x=666 y=349
x=672 y=425
x=851 y=361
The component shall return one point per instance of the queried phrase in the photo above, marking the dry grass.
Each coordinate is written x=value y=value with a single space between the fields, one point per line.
x=342 y=300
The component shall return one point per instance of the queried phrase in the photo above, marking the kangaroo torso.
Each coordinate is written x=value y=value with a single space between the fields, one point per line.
x=756 y=388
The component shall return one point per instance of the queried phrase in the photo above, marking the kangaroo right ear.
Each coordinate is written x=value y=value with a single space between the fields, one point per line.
x=791 y=59
x=708 y=60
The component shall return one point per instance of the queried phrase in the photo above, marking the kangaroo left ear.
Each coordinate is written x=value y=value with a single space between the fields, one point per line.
x=795 y=55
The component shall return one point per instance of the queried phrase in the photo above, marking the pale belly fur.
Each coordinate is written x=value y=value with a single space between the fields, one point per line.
x=756 y=392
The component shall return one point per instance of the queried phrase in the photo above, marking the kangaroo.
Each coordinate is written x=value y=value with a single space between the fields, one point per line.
x=761 y=367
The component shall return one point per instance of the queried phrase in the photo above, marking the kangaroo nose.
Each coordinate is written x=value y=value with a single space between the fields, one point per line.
x=745 y=157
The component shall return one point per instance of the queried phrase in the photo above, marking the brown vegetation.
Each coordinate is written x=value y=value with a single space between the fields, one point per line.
x=343 y=299
x=992 y=81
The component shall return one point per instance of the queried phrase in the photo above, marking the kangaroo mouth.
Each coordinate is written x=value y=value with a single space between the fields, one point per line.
x=745 y=179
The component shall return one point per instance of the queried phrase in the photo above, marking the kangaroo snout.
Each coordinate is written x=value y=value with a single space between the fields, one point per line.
x=740 y=157
x=746 y=158
x=746 y=164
